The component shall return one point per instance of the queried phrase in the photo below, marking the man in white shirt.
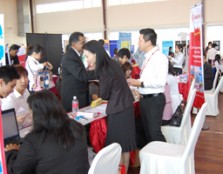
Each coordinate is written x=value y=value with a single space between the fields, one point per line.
x=151 y=85
x=17 y=99
x=211 y=54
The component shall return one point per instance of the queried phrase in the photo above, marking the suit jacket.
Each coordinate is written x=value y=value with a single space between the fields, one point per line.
x=15 y=60
x=114 y=88
x=208 y=76
x=48 y=157
x=74 y=80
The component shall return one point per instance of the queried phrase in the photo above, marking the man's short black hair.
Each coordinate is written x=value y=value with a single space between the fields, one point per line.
x=74 y=37
x=8 y=73
x=124 y=52
x=149 y=34
x=14 y=47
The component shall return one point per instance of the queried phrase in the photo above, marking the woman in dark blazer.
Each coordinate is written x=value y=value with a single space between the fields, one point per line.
x=114 y=88
x=56 y=144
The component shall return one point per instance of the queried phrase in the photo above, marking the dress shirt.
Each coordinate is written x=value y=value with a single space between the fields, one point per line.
x=178 y=60
x=154 y=72
x=18 y=102
x=211 y=53
x=33 y=67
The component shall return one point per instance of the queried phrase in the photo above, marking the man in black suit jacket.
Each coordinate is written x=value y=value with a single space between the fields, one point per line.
x=11 y=57
x=208 y=74
x=74 y=75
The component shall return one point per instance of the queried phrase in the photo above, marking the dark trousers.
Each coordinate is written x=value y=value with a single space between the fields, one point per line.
x=152 y=112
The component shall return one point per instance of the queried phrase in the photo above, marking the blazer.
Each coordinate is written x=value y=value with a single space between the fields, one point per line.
x=15 y=60
x=114 y=88
x=74 y=80
x=48 y=157
x=208 y=76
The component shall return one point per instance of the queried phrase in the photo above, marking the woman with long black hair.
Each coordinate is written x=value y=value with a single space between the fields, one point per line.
x=114 y=88
x=55 y=145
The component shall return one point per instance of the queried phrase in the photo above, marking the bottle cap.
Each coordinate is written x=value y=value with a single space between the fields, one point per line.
x=74 y=97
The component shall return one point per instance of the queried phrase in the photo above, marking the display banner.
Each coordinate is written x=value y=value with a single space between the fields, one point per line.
x=196 y=54
x=2 y=62
x=2 y=43
x=124 y=40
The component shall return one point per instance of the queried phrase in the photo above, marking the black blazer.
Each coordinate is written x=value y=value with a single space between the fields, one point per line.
x=74 y=80
x=15 y=59
x=114 y=88
x=48 y=157
x=208 y=76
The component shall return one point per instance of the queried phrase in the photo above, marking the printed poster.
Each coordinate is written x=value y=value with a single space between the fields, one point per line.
x=2 y=43
x=165 y=47
x=196 y=54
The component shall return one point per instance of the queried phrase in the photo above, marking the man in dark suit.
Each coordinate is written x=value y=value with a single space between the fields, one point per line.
x=208 y=74
x=11 y=57
x=74 y=75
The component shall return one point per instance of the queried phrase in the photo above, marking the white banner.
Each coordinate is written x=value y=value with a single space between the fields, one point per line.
x=2 y=41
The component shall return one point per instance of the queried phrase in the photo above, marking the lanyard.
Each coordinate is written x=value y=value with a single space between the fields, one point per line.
x=144 y=64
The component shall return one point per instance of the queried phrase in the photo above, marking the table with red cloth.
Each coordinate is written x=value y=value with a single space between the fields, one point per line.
x=98 y=131
x=184 y=90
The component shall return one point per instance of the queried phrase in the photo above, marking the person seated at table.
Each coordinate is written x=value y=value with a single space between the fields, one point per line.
x=174 y=88
x=11 y=56
x=218 y=64
x=168 y=111
x=123 y=55
x=208 y=74
x=17 y=99
x=55 y=145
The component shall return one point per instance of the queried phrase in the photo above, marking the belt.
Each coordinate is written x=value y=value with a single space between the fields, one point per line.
x=151 y=95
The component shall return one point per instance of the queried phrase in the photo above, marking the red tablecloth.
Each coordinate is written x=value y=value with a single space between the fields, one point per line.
x=98 y=131
x=184 y=90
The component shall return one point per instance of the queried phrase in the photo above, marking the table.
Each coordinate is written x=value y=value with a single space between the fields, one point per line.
x=184 y=90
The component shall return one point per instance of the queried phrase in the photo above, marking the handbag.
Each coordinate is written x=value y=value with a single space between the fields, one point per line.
x=43 y=79
x=177 y=117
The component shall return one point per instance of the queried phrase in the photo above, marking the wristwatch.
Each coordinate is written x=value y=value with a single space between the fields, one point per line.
x=142 y=85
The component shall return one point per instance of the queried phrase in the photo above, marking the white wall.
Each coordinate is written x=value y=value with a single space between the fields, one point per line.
x=160 y=15
x=9 y=9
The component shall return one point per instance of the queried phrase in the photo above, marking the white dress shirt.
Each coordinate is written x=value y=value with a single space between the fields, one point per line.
x=19 y=103
x=211 y=53
x=178 y=60
x=33 y=67
x=154 y=72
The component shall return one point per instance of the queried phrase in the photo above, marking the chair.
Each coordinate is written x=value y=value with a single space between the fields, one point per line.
x=180 y=135
x=165 y=158
x=211 y=97
x=192 y=86
x=107 y=160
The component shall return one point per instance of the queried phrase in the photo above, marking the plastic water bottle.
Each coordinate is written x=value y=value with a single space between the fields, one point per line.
x=75 y=106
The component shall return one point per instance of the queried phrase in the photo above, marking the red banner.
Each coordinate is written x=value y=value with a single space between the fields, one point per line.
x=196 y=54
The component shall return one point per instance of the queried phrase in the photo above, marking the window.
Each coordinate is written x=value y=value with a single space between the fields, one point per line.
x=67 y=6
x=122 y=2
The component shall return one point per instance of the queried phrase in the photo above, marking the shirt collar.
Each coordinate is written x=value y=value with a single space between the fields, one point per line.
x=150 y=52
x=17 y=94
x=77 y=52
